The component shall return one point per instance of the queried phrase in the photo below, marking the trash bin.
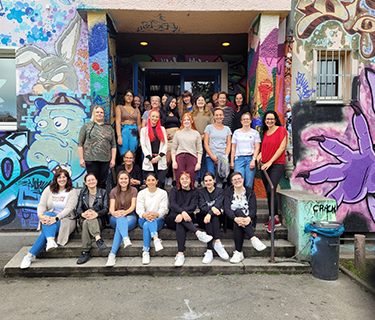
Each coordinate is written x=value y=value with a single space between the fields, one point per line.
x=325 y=247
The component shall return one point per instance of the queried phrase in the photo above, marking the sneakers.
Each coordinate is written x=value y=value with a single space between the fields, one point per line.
x=196 y=184
x=51 y=245
x=269 y=228
x=257 y=244
x=111 y=260
x=219 y=248
x=277 y=223
x=145 y=257
x=157 y=244
x=101 y=245
x=168 y=181
x=208 y=256
x=26 y=261
x=85 y=256
x=204 y=237
x=179 y=260
x=237 y=257
x=127 y=242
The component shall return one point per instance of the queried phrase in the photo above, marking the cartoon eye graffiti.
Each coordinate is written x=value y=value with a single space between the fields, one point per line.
x=42 y=79
x=42 y=124
x=60 y=123
x=57 y=78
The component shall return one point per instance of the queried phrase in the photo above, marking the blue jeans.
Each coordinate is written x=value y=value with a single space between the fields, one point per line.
x=241 y=164
x=130 y=138
x=212 y=167
x=47 y=232
x=122 y=225
x=150 y=230
x=201 y=172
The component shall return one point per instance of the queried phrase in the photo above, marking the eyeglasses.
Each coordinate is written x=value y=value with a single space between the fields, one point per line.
x=273 y=119
x=128 y=158
x=128 y=95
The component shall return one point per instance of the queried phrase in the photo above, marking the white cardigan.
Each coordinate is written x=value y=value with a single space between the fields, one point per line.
x=146 y=149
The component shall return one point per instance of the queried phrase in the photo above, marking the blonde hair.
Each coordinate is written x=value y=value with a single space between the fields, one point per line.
x=93 y=117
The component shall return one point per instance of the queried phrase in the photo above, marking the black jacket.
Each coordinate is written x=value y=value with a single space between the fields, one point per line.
x=208 y=200
x=251 y=200
x=100 y=206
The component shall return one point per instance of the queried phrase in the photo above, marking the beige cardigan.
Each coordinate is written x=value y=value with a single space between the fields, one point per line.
x=68 y=222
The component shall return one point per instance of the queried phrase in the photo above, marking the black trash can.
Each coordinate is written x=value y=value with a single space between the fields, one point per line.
x=325 y=247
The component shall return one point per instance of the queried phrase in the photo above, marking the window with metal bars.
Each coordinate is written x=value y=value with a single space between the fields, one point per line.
x=333 y=75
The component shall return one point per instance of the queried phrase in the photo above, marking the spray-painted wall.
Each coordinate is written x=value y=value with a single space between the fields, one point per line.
x=53 y=101
x=333 y=144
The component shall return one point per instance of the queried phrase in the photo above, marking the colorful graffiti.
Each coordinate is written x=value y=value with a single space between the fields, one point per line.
x=302 y=87
x=355 y=16
x=55 y=70
x=159 y=24
x=351 y=178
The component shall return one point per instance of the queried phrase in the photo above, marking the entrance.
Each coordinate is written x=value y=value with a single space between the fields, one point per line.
x=157 y=78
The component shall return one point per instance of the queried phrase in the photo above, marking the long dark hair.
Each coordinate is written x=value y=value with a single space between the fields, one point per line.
x=166 y=109
x=127 y=196
x=238 y=108
x=277 y=120
x=54 y=186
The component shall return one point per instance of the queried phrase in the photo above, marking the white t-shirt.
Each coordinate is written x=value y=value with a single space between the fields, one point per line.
x=59 y=201
x=217 y=140
x=245 y=142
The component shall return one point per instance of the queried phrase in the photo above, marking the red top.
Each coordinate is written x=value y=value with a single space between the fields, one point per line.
x=270 y=145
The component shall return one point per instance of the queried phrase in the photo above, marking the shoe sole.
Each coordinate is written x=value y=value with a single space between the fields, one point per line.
x=50 y=249
x=85 y=261
x=110 y=265
x=128 y=245
x=235 y=262
x=159 y=249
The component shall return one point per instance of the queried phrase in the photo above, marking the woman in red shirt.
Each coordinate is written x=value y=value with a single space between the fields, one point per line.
x=273 y=157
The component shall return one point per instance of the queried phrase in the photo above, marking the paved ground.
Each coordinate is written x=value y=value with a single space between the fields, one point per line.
x=213 y=297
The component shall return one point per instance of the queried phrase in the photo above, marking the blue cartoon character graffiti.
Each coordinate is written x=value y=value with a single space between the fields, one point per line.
x=354 y=175
x=57 y=124
x=20 y=188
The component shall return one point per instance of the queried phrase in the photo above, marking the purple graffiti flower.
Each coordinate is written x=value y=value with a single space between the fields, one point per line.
x=355 y=173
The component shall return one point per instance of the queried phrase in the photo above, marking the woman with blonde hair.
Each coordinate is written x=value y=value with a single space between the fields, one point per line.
x=97 y=146
x=187 y=148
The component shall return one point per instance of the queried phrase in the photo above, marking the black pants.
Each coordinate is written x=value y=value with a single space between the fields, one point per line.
x=100 y=170
x=239 y=232
x=160 y=174
x=212 y=228
x=275 y=173
x=181 y=229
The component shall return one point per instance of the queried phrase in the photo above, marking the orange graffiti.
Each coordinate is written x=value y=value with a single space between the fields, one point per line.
x=265 y=89
x=83 y=53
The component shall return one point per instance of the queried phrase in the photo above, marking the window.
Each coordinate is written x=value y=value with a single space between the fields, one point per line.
x=333 y=75
x=8 y=99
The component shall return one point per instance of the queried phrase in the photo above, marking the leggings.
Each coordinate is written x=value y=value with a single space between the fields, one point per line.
x=275 y=172
x=186 y=162
x=239 y=232
x=212 y=228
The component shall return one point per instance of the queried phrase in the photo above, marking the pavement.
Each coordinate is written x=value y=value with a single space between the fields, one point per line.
x=251 y=296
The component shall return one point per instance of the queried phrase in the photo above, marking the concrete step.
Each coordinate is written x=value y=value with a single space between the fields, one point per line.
x=194 y=248
x=168 y=234
x=159 y=266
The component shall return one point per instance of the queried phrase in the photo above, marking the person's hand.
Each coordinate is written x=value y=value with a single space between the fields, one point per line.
x=174 y=165
x=186 y=216
x=216 y=211
x=116 y=214
x=119 y=140
x=215 y=159
x=82 y=163
x=207 y=219
x=112 y=163
x=91 y=214
x=232 y=165
x=178 y=218
x=197 y=166
x=155 y=160
x=252 y=164
x=246 y=221
x=259 y=157
x=266 y=165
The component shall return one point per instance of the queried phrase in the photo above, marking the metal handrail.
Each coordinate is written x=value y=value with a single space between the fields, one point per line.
x=272 y=259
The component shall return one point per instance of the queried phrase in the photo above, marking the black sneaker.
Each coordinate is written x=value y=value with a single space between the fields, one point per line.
x=85 y=256
x=199 y=182
x=101 y=245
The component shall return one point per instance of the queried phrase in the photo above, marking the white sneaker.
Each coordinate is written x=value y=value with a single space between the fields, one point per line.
x=208 y=256
x=237 y=257
x=51 y=245
x=111 y=260
x=204 y=237
x=219 y=248
x=179 y=260
x=257 y=244
x=196 y=184
x=157 y=244
x=145 y=257
x=169 y=181
x=26 y=261
x=127 y=242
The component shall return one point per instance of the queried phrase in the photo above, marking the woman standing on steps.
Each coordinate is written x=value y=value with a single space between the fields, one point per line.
x=273 y=157
x=92 y=210
x=55 y=213
x=183 y=200
x=210 y=204
x=152 y=206
x=128 y=124
x=122 y=202
x=240 y=205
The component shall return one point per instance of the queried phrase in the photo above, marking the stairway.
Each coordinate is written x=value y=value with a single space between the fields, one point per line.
x=62 y=261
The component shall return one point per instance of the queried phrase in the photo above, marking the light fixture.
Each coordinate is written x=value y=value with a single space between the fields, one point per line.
x=225 y=44
x=143 y=43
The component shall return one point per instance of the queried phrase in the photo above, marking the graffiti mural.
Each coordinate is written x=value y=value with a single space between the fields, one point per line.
x=55 y=70
x=302 y=87
x=159 y=24
x=349 y=174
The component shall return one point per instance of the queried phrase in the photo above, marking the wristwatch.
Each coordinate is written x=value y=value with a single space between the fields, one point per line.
x=57 y=219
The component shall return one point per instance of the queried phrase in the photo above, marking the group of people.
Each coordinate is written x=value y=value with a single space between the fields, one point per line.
x=178 y=133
